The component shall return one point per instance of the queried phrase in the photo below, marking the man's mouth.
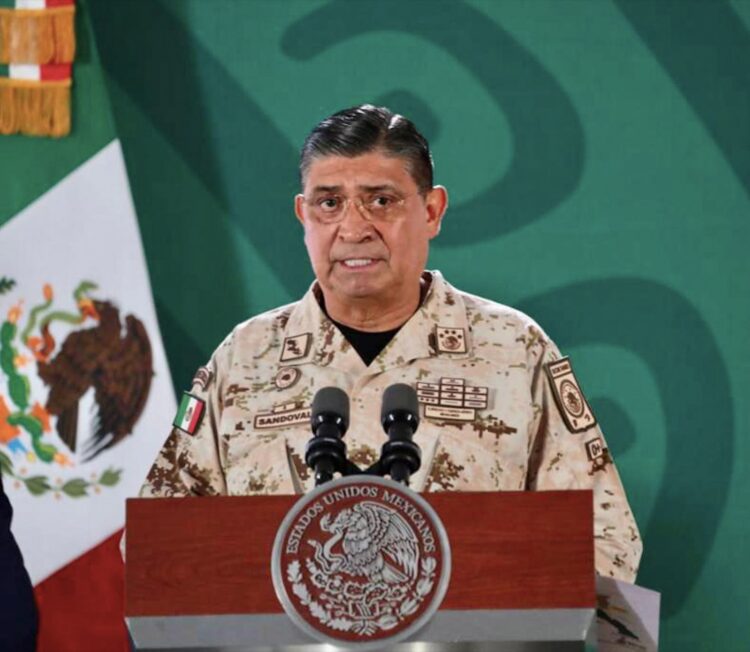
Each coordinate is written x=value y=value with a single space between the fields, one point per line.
x=353 y=263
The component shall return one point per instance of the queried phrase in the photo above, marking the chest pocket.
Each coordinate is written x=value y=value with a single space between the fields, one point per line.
x=257 y=463
x=463 y=462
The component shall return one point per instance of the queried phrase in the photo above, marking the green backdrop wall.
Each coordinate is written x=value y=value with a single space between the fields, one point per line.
x=598 y=158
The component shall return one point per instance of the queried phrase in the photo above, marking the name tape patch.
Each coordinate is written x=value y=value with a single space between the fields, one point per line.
x=281 y=416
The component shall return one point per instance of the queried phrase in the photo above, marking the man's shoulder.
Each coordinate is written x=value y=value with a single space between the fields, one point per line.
x=485 y=313
x=271 y=320
x=495 y=324
x=260 y=331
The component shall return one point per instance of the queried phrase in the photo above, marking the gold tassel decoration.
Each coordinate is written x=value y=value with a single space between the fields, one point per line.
x=34 y=108
x=37 y=36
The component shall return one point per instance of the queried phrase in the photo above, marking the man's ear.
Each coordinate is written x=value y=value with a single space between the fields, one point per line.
x=298 y=201
x=436 y=203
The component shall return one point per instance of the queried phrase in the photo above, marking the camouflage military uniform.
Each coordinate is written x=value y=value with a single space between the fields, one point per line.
x=501 y=410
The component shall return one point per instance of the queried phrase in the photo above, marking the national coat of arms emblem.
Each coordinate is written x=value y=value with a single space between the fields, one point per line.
x=51 y=358
x=361 y=561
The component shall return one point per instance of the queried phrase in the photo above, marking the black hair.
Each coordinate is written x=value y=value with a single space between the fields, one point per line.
x=366 y=128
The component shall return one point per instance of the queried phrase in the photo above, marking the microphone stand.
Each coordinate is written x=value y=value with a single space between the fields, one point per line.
x=400 y=456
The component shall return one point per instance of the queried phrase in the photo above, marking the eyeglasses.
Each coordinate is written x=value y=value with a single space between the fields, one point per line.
x=374 y=207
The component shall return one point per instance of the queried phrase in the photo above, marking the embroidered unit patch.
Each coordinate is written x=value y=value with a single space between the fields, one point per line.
x=286 y=377
x=595 y=449
x=202 y=377
x=598 y=455
x=296 y=347
x=570 y=400
x=450 y=340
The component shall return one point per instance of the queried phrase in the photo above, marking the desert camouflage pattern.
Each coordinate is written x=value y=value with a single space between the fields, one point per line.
x=520 y=441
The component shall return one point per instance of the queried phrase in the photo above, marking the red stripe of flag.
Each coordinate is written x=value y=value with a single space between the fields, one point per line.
x=197 y=411
x=59 y=3
x=82 y=606
x=55 y=71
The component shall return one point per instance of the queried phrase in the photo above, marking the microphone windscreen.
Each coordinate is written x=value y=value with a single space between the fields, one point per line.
x=399 y=398
x=331 y=400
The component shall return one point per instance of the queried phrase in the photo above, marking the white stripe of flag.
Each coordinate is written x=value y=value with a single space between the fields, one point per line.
x=31 y=4
x=25 y=71
x=188 y=413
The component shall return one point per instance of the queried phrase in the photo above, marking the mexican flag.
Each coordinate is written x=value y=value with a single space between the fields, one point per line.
x=85 y=392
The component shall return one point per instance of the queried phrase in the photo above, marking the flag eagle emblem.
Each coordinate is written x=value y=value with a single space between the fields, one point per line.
x=88 y=348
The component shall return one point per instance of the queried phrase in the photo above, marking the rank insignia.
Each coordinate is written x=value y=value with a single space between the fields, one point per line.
x=450 y=340
x=452 y=399
x=189 y=413
x=286 y=377
x=570 y=400
x=296 y=347
x=202 y=377
x=280 y=416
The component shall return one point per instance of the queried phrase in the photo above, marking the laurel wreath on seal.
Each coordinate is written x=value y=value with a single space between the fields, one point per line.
x=338 y=615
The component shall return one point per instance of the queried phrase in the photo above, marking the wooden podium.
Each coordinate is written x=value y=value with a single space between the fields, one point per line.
x=198 y=574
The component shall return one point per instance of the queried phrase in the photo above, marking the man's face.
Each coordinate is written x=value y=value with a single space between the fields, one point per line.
x=376 y=261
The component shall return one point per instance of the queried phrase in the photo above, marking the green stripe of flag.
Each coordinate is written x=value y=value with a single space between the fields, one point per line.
x=182 y=409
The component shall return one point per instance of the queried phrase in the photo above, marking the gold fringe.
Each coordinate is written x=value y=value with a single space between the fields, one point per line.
x=37 y=36
x=34 y=108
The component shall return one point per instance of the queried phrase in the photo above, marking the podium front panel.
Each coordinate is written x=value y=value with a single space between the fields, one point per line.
x=198 y=571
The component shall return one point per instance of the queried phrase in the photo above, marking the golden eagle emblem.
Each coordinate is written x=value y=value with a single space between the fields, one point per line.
x=100 y=352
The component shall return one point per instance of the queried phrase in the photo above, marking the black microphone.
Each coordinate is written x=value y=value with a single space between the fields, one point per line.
x=400 y=456
x=325 y=453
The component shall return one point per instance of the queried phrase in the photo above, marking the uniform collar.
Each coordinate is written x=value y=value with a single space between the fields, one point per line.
x=439 y=327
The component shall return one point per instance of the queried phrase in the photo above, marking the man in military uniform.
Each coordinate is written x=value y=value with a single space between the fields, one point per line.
x=501 y=408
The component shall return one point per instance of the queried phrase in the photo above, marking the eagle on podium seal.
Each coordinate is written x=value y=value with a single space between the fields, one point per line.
x=361 y=562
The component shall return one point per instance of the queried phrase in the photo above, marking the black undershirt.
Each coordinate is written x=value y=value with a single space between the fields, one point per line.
x=367 y=344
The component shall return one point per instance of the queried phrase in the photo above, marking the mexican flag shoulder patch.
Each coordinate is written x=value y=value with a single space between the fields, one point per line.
x=189 y=413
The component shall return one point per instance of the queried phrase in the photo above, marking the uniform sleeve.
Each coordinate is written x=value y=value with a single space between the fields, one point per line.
x=568 y=451
x=189 y=463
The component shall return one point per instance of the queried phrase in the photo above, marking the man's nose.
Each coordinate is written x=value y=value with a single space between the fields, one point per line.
x=354 y=226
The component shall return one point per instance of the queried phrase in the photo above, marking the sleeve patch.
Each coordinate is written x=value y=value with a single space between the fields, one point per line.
x=595 y=449
x=202 y=377
x=598 y=455
x=189 y=413
x=570 y=400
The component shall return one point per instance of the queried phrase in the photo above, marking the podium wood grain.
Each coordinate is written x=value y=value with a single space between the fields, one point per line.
x=511 y=550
